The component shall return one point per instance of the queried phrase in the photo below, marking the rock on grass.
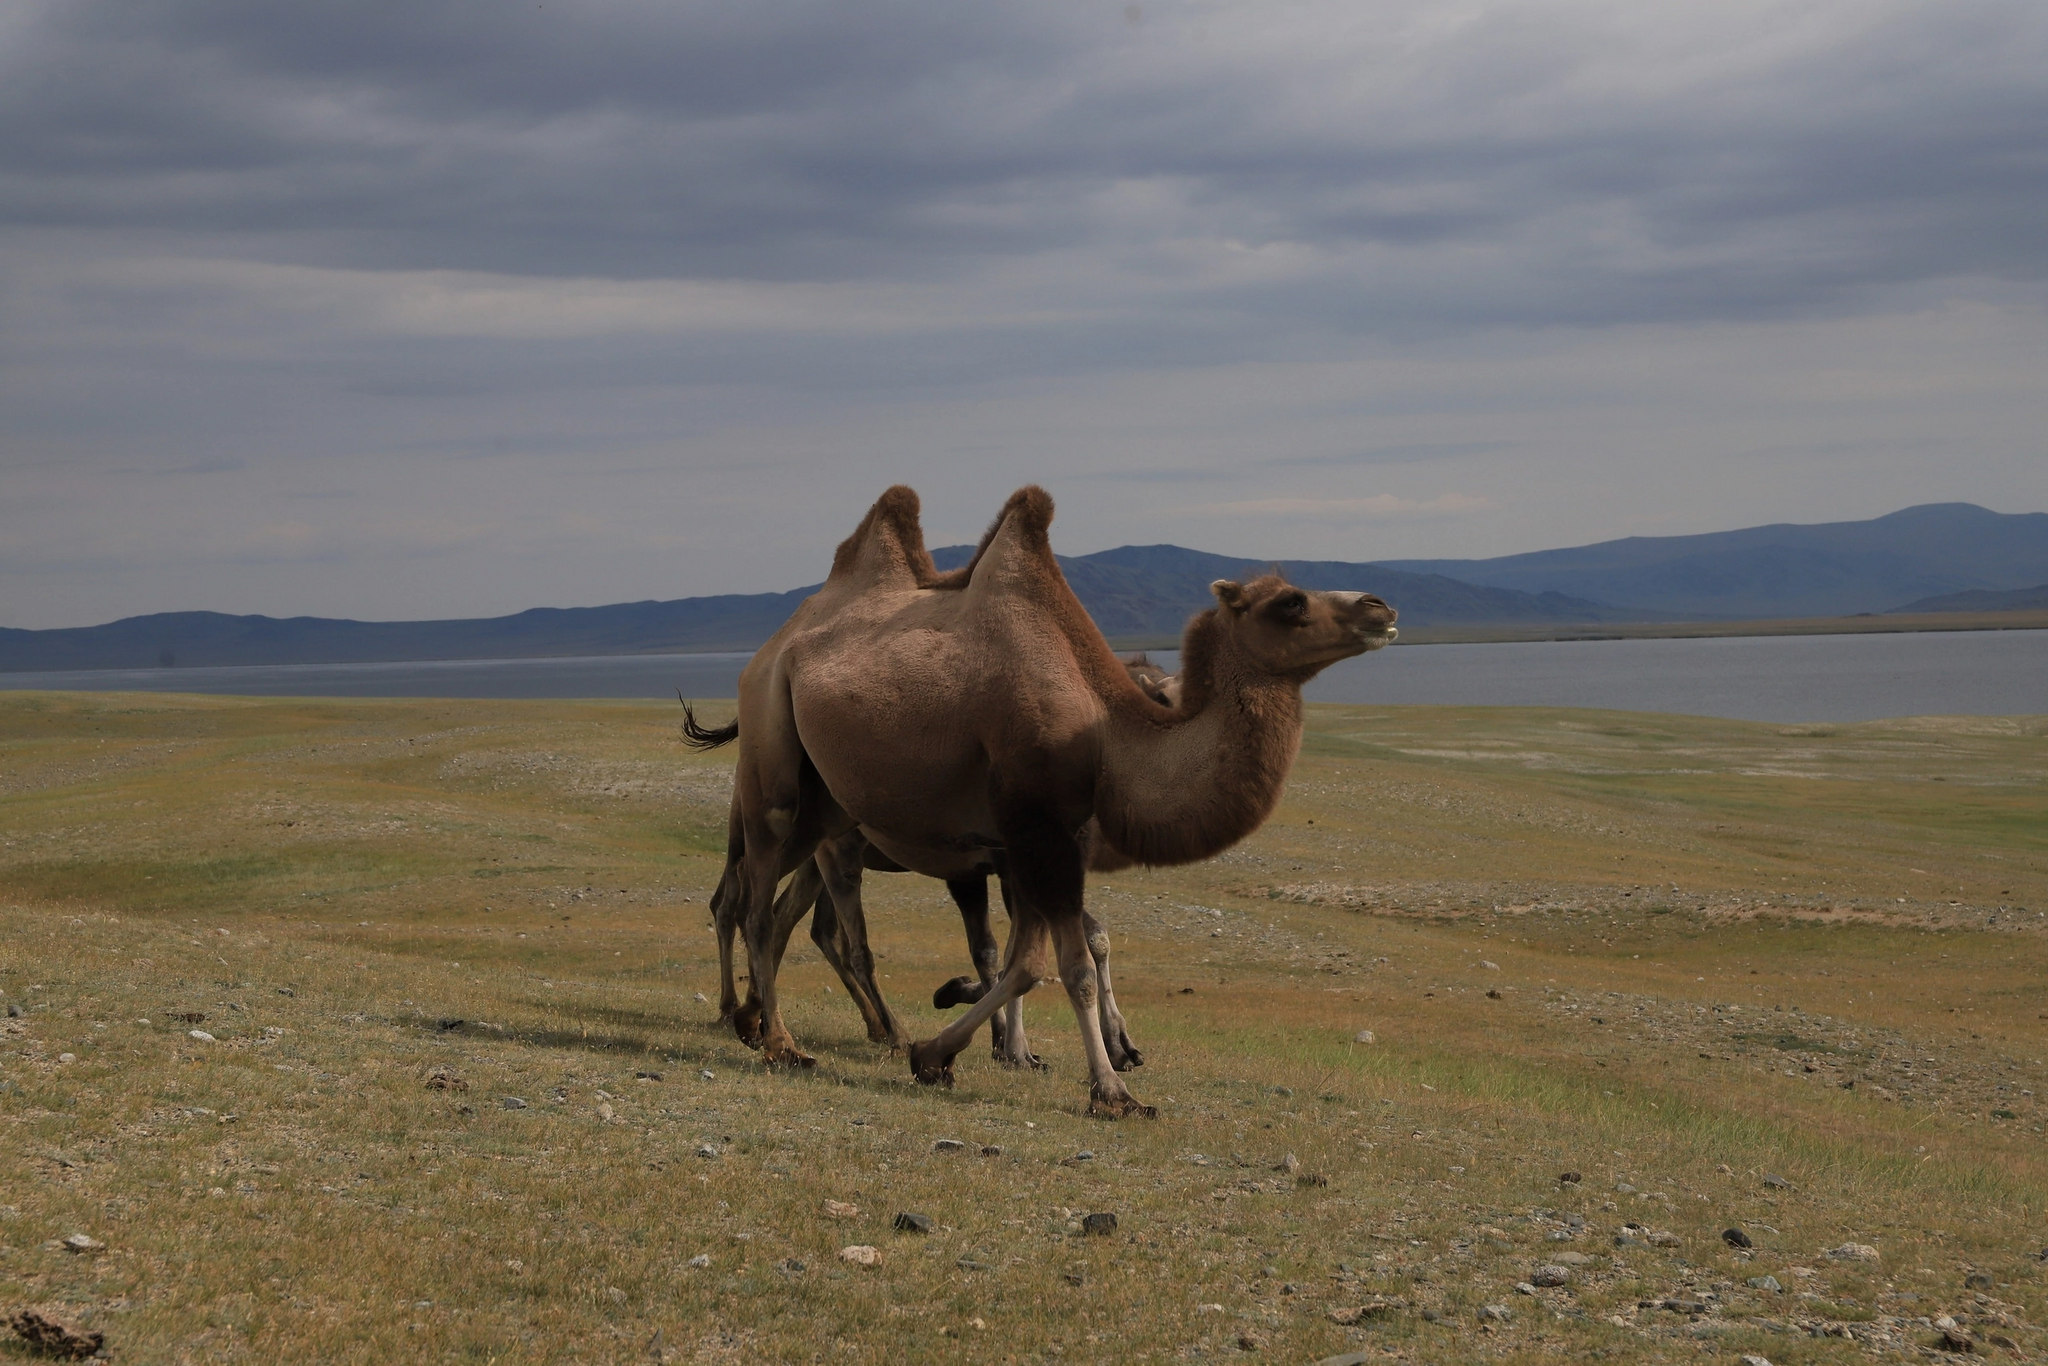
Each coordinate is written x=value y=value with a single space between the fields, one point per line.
x=861 y=1254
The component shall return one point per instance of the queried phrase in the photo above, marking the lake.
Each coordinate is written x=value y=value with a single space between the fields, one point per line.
x=1754 y=678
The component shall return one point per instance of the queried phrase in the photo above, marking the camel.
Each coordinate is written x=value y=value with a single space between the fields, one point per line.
x=952 y=717
x=846 y=949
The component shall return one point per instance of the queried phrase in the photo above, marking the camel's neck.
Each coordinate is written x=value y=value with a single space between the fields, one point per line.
x=1178 y=790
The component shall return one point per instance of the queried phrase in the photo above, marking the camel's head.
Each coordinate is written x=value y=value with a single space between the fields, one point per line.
x=1289 y=630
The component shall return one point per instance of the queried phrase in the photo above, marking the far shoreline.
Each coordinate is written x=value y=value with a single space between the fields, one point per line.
x=1863 y=624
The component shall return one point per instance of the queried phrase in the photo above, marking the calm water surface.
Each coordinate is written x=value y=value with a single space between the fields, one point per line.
x=1754 y=678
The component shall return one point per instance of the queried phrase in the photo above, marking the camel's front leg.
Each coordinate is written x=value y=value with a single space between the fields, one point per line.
x=1123 y=1054
x=1109 y=1098
x=970 y=894
x=932 y=1061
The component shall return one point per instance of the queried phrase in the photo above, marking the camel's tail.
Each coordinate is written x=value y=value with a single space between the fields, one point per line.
x=699 y=737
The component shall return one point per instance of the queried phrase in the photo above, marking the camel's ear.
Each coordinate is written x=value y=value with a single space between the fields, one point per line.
x=1230 y=594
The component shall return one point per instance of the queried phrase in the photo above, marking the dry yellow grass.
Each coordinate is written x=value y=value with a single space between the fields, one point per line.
x=1699 y=932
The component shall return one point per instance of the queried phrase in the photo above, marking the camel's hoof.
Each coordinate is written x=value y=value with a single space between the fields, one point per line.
x=929 y=1067
x=1030 y=1060
x=961 y=991
x=787 y=1056
x=1121 y=1107
x=1126 y=1060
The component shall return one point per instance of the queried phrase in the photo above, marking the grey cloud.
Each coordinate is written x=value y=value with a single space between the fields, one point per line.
x=1556 y=165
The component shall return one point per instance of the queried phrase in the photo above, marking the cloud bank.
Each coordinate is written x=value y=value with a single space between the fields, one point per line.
x=443 y=308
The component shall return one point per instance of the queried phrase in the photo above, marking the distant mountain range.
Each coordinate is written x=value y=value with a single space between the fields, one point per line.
x=1935 y=558
x=1984 y=600
x=1131 y=591
x=1828 y=570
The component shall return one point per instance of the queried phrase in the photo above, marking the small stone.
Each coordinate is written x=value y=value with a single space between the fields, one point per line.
x=647 y=1076
x=1954 y=1337
x=1752 y=1359
x=614 y=1294
x=860 y=1254
x=1665 y=1238
x=699 y=1262
x=1735 y=1237
x=991 y=1150
x=441 y=1079
x=1769 y=1283
x=1624 y=1188
x=708 y=1075
x=79 y=1242
x=13 y=1011
x=1085 y=1155
x=707 y=1150
x=1777 y=1183
x=1853 y=1252
x=839 y=1209
x=970 y=1264
x=700 y=998
x=1100 y=1224
x=1250 y=1342
x=1077 y=1276
x=1524 y=1288
x=1977 y=1280
x=1490 y=967
x=1363 y=1036
x=604 y=1113
x=1347 y=1359
x=1289 y=1164
x=948 y=1145
x=201 y=1035
x=913 y=1223
x=67 y=1057
x=1551 y=1275
x=53 y=1338
x=1570 y=1178
x=1677 y=1306
x=1496 y=1313
x=512 y=1102
x=1283 y=1091
x=1345 y=1316
x=1574 y=1259
x=286 y=991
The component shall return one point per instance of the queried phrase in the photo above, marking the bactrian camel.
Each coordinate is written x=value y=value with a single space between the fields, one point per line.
x=953 y=715
x=841 y=936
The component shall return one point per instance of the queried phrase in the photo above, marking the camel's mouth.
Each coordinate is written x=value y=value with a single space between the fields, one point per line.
x=1377 y=639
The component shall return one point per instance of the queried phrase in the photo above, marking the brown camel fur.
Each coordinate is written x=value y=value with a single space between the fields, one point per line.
x=843 y=939
x=950 y=716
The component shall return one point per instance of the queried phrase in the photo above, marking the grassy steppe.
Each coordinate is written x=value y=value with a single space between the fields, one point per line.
x=1675 y=956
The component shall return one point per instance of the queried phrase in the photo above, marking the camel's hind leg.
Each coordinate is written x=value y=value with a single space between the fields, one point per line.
x=1116 y=1039
x=839 y=860
x=1015 y=1049
x=727 y=905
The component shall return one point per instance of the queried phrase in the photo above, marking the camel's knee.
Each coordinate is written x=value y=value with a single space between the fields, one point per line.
x=1098 y=945
x=1083 y=987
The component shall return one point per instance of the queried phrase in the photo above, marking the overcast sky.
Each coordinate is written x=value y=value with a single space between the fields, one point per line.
x=428 y=308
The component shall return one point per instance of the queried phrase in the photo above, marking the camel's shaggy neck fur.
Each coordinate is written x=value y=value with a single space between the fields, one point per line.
x=1189 y=784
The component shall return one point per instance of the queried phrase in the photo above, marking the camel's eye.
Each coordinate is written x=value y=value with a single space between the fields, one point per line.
x=1292 y=609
